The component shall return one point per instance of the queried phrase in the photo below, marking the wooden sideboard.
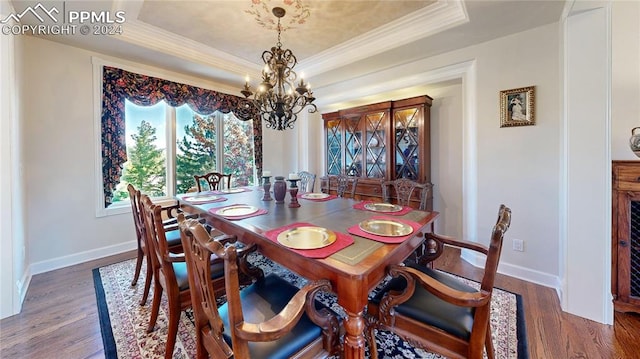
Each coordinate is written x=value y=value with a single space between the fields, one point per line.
x=625 y=232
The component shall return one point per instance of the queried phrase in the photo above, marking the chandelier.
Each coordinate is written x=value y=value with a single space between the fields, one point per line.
x=277 y=99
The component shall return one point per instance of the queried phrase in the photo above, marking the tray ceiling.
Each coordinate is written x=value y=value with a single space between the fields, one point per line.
x=222 y=40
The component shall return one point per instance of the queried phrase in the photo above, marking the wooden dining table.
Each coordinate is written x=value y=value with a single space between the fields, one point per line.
x=353 y=271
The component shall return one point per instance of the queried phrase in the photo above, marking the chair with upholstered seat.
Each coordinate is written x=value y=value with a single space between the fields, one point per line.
x=307 y=181
x=171 y=233
x=436 y=311
x=269 y=319
x=404 y=189
x=170 y=271
x=214 y=180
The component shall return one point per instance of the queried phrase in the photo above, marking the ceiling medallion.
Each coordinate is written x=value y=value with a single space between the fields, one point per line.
x=277 y=98
x=261 y=11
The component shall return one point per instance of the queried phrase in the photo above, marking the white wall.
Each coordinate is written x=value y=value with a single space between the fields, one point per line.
x=587 y=178
x=446 y=169
x=57 y=110
x=625 y=74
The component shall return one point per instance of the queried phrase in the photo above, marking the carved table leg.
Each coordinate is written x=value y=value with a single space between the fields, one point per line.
x=354 y=341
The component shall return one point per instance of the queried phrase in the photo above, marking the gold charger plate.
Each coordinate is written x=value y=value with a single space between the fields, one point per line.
x=386 y=227
x=237 y=210
x=306 y=238
x=383 y=207
x=202 y=198
x=231 y=190
x=315 y=195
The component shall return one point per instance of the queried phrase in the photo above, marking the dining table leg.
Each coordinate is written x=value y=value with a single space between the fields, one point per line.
x=354 y=340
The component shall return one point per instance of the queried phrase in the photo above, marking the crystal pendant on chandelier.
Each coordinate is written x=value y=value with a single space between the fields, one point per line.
x=276 y=98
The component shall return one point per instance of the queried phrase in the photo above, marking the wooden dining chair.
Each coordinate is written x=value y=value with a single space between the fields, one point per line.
x=172 y=236
x=270 y=318
x=346 y=185
x=214 y=180
x=404 y=189
x=307 y=181
x=436 y=311
x=170 y=272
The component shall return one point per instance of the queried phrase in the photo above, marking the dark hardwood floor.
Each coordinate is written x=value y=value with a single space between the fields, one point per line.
x=59 y=318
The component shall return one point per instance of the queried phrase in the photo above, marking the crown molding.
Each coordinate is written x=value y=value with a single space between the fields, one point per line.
x=150 y=37
x=440 y=16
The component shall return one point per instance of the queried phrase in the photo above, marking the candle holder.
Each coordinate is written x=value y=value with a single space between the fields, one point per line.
x=266 y=184
x=293 y=191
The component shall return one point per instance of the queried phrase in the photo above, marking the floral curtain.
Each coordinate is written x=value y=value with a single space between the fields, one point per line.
x=142 y=90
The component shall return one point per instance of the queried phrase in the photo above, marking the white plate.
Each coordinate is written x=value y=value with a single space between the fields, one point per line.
x=306 y=237
x=383 y=207
x=386 y=227
x=202 y=198
x=237 y=210
x=315 y=196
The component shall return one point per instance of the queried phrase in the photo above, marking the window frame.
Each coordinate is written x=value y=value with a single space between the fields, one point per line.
x=170 y=133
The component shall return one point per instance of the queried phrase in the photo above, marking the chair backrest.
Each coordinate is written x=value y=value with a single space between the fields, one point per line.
x=134 y=197
x=404 y=189
x=203 y=296
x=346 y=185
x=155 y=235
x=495 y=248
x=307 y=181
x=215 y=181
x=199 y=247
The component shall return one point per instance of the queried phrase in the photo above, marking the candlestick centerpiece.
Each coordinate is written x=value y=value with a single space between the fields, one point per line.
x=293 y=191
x=266 y=185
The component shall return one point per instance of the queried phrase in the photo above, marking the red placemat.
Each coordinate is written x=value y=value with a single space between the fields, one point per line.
x=401 y=212
x=385 y=239
x=193 y=198
x=342 y=241
x=244 y=189
x=331 y=196
x=260 y=212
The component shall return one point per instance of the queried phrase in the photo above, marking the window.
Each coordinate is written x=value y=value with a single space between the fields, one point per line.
x=196 y=142
x=156 y=134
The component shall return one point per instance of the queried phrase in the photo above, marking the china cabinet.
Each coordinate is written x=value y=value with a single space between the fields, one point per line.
x=625 y=231
x=380 y=142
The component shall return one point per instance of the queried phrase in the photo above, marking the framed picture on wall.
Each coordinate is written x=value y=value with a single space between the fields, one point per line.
x=517 y=107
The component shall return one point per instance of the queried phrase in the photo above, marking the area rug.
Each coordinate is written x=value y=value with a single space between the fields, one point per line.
x=123 y=321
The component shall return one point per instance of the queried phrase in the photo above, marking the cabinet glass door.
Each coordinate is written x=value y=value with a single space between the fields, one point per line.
x=334 y=147
x=353 y=146
x=376 y=164
x=407 y=158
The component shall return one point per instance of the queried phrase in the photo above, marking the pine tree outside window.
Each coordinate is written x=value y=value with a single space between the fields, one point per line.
x=196 y=142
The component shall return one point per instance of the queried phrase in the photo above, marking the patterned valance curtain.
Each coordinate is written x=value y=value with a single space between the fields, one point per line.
x=142 y=90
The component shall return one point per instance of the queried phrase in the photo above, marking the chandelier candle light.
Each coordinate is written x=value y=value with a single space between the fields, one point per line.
x=277 y=99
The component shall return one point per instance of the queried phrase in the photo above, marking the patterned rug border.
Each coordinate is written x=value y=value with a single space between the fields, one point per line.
x=109 y=342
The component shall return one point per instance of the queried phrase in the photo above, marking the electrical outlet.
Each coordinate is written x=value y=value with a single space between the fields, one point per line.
x=518 y=245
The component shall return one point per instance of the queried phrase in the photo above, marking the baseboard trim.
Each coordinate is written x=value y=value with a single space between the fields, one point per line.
x=516 y=271
x=77 y=258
